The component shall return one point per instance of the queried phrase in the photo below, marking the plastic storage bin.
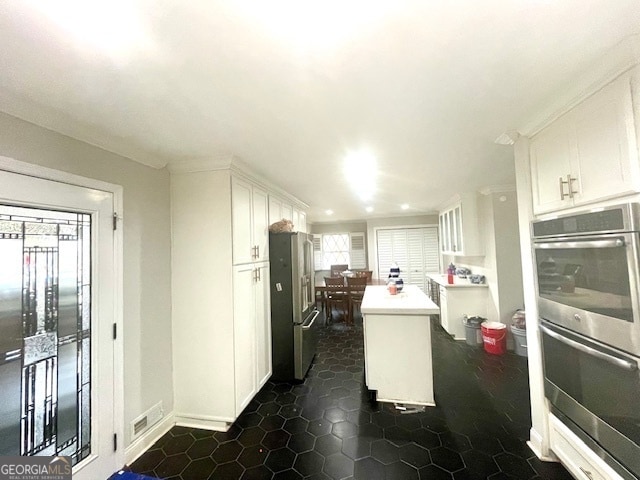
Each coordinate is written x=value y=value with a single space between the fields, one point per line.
x=494 y=337
x=472 y=330
x=519 y=331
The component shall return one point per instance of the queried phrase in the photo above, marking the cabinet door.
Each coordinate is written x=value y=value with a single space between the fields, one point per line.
x=287 y=211
x=607 y=158
x=263 y=325
x=302 y=219
x=260 y=224
x=456 y=215
x=275 y=210
x=241 y=217
x=444 y=310
x=552 y=155
x=244 y=335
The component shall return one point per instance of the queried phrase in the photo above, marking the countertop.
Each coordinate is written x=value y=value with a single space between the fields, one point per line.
x=411 y=301
x=457 y=282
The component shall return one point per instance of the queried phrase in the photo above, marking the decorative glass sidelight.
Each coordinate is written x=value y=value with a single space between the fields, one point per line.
x=45 y=332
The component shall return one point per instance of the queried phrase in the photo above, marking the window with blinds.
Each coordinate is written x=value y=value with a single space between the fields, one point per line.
x=415 y=250
x=339 y=248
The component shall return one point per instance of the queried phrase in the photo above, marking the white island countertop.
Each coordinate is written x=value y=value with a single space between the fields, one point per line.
x=411 y=301
x=457 y=281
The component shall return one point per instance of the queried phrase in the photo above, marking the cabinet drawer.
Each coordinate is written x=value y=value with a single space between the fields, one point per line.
x=576 y=456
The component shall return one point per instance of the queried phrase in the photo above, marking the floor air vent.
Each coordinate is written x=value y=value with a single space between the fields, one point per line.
x=146 y=420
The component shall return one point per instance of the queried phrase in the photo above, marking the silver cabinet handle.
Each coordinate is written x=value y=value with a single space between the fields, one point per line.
x=259 y=274
x=257 y=251
x=570 y=181
x=618 y=362
x=563 y=182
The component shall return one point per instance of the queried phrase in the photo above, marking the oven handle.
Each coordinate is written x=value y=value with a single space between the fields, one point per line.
x=618 y=362
x=602 y=243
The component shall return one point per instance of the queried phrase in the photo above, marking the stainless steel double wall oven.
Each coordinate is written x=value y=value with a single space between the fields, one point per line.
x=587 y=269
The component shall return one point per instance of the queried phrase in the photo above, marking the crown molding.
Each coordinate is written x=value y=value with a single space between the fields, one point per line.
x=620 y=59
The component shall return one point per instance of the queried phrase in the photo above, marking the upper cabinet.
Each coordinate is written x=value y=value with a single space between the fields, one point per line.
x=588 y=154
x=250 y=220
x=459 y=233
x=279 y=209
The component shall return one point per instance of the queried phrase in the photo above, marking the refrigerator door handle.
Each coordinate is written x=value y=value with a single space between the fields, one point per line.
x=313 y=319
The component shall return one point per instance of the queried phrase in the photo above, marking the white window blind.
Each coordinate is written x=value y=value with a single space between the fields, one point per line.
x=339 y=248
x=415 y=250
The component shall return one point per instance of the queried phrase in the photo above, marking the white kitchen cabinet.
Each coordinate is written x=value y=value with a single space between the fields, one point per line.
x=576 y=456
x=460 y=234
x=279 y=209
x=456 y=301
x=252 y=331
x=220 y=311
x=275 y=209
x=302 y=220
x=250 y=222
x=397 y=340
x=588 y=154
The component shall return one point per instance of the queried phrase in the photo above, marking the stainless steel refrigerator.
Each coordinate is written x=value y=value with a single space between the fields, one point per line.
x=295 y=320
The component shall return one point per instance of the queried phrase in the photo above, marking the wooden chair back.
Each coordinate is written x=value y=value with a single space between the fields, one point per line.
x=334 y=281
x=357 y=282
x=336 y=270
x=368 y=274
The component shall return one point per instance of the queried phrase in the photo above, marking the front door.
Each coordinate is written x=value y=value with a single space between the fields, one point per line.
x=56 y=316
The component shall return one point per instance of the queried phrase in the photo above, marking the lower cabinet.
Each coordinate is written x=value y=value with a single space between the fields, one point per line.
x=251 y=331
x=221 y=313
x=456 y=302
x=579 y=459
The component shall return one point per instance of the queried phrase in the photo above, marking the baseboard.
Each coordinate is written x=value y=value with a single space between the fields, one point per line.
x=147 y=439
x=206 y=423
x=538 y=447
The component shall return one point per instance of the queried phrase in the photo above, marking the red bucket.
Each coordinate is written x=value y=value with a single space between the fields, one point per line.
x=494 y=337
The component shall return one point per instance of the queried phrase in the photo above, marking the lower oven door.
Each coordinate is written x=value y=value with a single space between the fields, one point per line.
x=598 y=389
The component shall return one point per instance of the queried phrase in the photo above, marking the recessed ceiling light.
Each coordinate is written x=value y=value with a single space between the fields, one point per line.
x=404 y=206
x=329 y=212
x=369 y=209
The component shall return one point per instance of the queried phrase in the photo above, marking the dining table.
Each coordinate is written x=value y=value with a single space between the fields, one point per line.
x=322 y=289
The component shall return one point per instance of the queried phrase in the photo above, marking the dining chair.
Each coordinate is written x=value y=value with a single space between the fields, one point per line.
x=336 y=297
x=356 y=286
x=368 y=274
x=336 y=270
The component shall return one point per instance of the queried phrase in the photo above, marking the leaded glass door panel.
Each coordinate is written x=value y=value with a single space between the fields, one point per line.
x=56 y=313
x=45 y=332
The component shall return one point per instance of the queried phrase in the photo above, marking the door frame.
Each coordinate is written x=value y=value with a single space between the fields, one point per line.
x=45 y=173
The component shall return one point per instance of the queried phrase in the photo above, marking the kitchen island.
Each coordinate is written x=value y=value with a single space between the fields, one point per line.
x=397 y=344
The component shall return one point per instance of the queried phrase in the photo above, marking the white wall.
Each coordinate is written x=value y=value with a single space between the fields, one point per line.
x=147 y=287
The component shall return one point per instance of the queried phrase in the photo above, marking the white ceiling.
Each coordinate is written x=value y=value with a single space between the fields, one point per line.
x=290 y=86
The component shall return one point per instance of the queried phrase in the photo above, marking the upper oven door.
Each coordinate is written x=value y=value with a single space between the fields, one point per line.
x=590 y=285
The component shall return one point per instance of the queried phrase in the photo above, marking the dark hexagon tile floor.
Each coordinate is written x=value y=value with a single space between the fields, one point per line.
x=328 y=428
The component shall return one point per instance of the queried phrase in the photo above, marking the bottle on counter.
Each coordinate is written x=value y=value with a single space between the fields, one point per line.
x=451 y=270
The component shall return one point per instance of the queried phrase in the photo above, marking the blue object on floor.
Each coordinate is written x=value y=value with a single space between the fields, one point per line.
x=121 y=475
